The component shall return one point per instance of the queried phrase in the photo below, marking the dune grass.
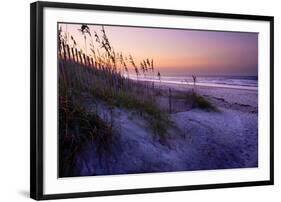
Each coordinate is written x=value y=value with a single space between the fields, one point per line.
x=196 y=100
x=77 y=127
x=157 y=118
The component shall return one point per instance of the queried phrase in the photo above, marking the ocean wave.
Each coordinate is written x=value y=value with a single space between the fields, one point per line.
x=237 y=82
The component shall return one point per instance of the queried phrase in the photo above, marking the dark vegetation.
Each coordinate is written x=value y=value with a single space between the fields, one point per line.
x=196 y=100
x=77 y=127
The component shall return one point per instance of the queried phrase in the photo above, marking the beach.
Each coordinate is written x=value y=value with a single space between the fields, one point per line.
x=187 y=101
x=223 y=97
x=199 y=139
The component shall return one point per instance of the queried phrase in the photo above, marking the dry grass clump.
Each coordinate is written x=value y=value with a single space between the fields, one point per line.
x=157 y=119
x=195 y=100
x=77 y=128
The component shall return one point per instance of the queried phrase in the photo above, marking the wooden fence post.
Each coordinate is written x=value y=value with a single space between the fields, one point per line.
x=68 y=52
x=64 y=51
x=85 y=69
x=74 y=65
x=84 y=58
x=73 y=56
x=80 y=57
x=92 y=61
x=63 y=66
x=170 y=101
x=60 y=52
x=80 y=67
x=88 y=69
x=76 y=54
x=88 y=61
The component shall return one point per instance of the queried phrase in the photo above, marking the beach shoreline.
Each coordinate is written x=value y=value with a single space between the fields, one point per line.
x=188 y=82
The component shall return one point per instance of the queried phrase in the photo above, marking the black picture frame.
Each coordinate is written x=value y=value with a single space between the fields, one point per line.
x=37 y=99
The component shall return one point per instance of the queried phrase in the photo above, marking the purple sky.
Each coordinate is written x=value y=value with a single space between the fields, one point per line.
x=182 y=51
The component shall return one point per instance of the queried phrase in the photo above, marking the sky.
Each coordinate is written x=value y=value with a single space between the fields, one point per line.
x=181 y=52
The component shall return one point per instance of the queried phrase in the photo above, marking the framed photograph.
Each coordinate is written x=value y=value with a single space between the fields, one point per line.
x=131 y=100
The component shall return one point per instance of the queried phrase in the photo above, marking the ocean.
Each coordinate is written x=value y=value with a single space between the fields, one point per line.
x=238 y=82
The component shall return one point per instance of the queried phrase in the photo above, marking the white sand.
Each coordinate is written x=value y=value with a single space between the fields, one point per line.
x=199 y=139
x=230 y=95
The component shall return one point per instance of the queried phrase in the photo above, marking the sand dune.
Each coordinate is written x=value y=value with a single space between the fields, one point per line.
x=198 y=140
